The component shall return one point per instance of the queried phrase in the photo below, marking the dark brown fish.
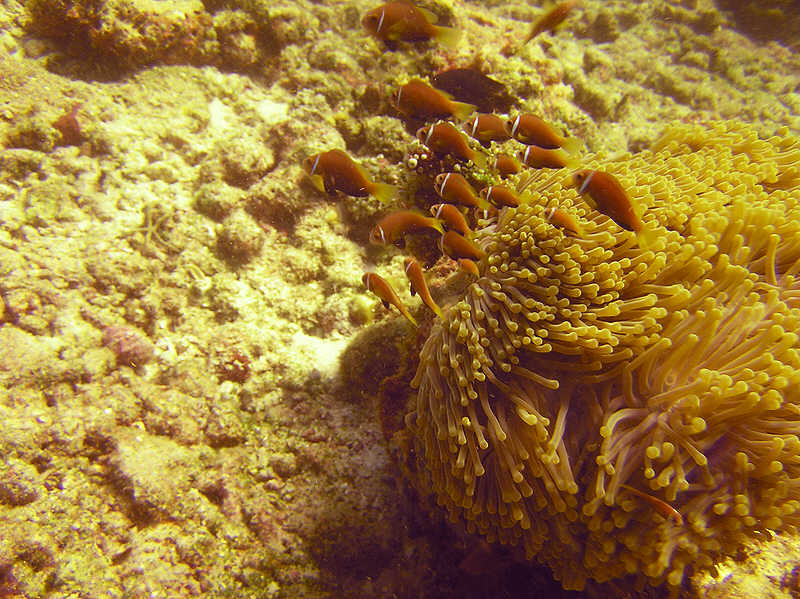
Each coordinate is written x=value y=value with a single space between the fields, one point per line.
x=402 y=21
x=334 y=171
x=444 y=138
x=470 y=85
x=418 y=99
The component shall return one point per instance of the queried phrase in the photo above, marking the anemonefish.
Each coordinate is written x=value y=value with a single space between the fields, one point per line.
x=444 y=138
x=506 y=165
x=487 y=128
x=454 y=245
x=564 y=220
x=418 y=285
x=380 y=287
x=402 y=21
x=395 y=225
x=500 y=195
x=452 y=218
x=533 y=131
x=418 y=99
x=551 y=19
x=536 y=157
x=334 y=171
x=468 y=266
x=662 y=507
x=454 y=188
x=603 y=192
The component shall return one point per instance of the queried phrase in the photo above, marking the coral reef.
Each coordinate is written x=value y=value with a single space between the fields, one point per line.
x=614 y=411
x=241 y=459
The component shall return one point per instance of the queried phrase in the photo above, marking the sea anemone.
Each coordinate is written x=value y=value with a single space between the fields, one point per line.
x=615 y=411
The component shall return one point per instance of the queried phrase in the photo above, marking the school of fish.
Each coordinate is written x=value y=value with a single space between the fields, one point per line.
x=543 y=147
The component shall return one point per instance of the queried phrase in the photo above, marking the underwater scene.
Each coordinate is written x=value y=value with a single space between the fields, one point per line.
x=452 y=299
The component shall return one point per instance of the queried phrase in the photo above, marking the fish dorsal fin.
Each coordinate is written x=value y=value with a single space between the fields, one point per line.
x=429 y=16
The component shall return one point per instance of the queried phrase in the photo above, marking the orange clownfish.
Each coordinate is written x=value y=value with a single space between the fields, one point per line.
x=380 y=287
x=454 y=245
x=418 y=285
x=533 y=131
x=551 y=19
x=506 y=165
x=564 y=220
x=603 y=192
x=468 y=266
x=334 y=171
x=452 y=218
x=444 y=138
x=536 y=157
x=402 y=21
x=500 y=195
x=487 y=128
x=418 y=99
x=454 y=188
x=393 y=226
x=662 y=507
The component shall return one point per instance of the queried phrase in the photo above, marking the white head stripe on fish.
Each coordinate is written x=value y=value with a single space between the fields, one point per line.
x=551 y=212
x=585 y=183
x=444 y=182
x=408 y=266
x=430 y=132
x=489 y=192
x=525 y=157
x=439 y=210
x=515 y=125
x=314 y=168
x=474 y=126
x=380 y=23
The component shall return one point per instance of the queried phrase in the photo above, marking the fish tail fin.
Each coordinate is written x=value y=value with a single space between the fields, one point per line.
x=572 y=145
x=438 y=311
x=572 y=161
x=447 y=36
x=385 y=193
x=479 y=159
x=483 y=203
x=437 y=224
x=648 y=239
x=462 y=111
x=409 y=318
